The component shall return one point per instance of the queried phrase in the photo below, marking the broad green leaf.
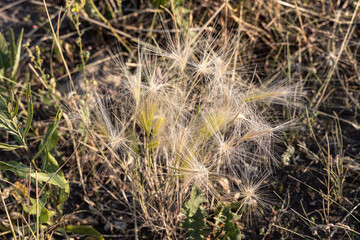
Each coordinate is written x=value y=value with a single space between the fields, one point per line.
x=17 y=55
x=195 y=201
x=8 y=147
x=21 y=170
x=228 y=230
x=52 y=141
x=195 y=214
x=83 y=229
x=49 y=133
x=42 y=202
x=30 y=111
x=44 y=215
x=196 y=225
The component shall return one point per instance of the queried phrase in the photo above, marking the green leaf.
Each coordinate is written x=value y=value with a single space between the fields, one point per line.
x=52 y=141
x=195 y=201
x=195 y=214
x=3 y=44
x=12 y=46
x=15 y=111
x=21 y=170
x=63 y=232
x=44 y=215
x=30 y=110
x=158 y=3
x=3 y=53
x=49 y=163
x=41 y=204
x=3 y=103
x=50 y=131
x=229 y=229
x=9 y=122
x=8 y=147
x=196 y=225
x=17 y=54
x=7 y=125
x=62 y=196
x=83 y=229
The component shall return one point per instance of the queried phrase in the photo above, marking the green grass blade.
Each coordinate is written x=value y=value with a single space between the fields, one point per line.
x=30 y=111
x=8 y=147
x=3 y=53
x=17 y=54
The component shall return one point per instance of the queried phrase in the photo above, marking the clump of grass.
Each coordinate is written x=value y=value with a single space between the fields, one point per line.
x=186 y=116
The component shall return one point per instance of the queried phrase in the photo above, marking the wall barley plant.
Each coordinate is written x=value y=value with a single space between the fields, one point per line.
x=186 y=116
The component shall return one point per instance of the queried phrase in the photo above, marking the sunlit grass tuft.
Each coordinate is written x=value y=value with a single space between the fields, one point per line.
x=187 y=116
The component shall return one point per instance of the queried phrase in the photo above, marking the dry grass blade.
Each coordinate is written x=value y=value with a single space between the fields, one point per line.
x=343 y=45
x=55 y=37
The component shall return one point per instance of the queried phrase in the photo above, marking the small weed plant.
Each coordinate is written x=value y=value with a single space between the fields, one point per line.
x=38 y=186
x=188 y=117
